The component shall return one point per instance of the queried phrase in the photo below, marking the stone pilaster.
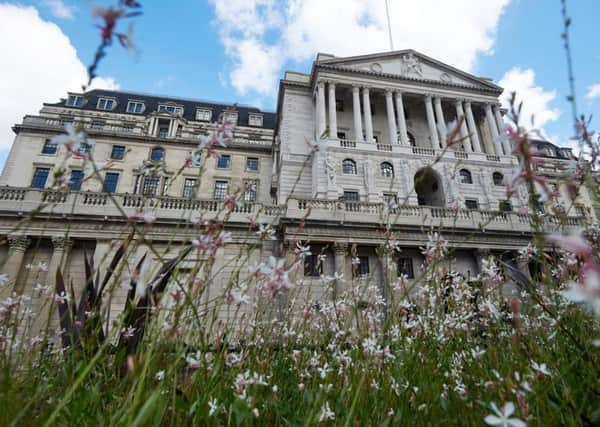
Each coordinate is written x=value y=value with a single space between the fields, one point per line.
x=367 y=114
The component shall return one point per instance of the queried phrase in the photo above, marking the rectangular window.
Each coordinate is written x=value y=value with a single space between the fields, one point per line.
x=76 y=179
x=312 y=266
x=221 y=190
x=105 y=104
x=163 y=131
x=189 y=185
x=172 y=109
x=405 y=267
x=203 y=114
x=117 y=152
x=40 y=177
x=49 y=147
x=75 y=101
x=231 y=117
x=85 y=148
x=135 y=107
x=472 y=204
x=255 y=120
x=252 y=164
x=150 y=185
x=339 y=105
x=390 y=199
x=505 y=206
x=362 y=267
x=250 y=191
x=351 y=198
x=224 y=161
x=341 y=135
x=111 y=179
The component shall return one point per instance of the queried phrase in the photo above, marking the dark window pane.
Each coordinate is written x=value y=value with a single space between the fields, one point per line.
x=362 y=268
x=405 y=267
x=472 y=204
x=221 y=188
x=505 y=206
x=40 y=177
x=252 y=164
x=465 y=177
x=224 y=161
x=250 y=193
x=312 y=266
x=76 y=179
x=118 y=152
x=49 y=147
x=150 y=185
x=498 y=178
x=157 y=154
x=349 y=167
x=110 y=182
x=188 y=187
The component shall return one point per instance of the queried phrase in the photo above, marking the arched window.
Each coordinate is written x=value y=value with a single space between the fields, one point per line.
x=498 y=178
x=349 y=167
x=157 y=154
x=411 y=139
x=387 y=170
x=465 y=177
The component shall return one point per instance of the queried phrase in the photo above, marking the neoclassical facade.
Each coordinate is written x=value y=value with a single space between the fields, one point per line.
x=356 y=147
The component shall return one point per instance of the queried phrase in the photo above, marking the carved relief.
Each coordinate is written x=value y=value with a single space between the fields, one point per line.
x=376 y=67
x=411 y=65
x=330 y=169
x=368 y=177
x=445 y=78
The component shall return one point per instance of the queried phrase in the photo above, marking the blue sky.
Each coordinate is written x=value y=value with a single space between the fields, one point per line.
x=236 y=50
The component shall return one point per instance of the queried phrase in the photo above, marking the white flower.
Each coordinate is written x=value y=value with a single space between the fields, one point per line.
x=501 y=418
x=213 y=407
x=159 y=375
x=541 y=368
x=326 y=413
x=3 y=279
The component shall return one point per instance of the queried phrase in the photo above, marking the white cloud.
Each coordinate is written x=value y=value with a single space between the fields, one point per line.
x=593 y=91
x=41 y=67
x=536 y=100
x=59 y=9
x=260 y=36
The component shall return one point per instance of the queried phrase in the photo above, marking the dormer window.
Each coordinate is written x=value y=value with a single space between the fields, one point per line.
x=231 y=117
x=135 y=107
x=255 y=120
x=171 y=109
x=203 y=114
x=105 y=104
x=75 y=101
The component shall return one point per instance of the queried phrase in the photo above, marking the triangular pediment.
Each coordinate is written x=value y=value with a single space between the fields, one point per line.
x=408 y=64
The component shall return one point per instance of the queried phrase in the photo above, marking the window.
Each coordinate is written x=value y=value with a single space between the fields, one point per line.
x=387 y=170
x=86 y=148
x=224 y=161
x=312 y=266
x=98 y=124
x=341 y=135
x=250 y=191
x=150 y=187
x=390 y=200
x=49 y=147
x=465 y=177
x=252 y=164
x=135 y=107
x=411 y=139
x=405 y=267
x=362 y=267
x=117 y=152
x=539 y=205
x=75 y=101
x=163 y=131
x=472 y=204
x=351 y=198
x=171 y=109
x=40 y=177
x=189 y=186
x=498 y=178
x=179 y=131
x=231 y=117
x=339 y=105
x=157 y=154
x=76 y=179
x=221 y=190
x=255 y=119
x=505 y=206
x=203 y=114
x=105 y=104
x=349 y=167
x=110 y=182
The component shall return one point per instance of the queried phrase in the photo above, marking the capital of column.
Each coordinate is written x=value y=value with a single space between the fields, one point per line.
x=61 y=243
x=340 y=248
x=321 y=83
x=356 y=88
x=18 y=242
x=389 y=93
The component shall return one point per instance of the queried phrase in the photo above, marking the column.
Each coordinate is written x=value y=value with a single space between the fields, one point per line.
x=472 y=128
x=389 y=103
x=435 y=142
x=367 y=113
x=62 y=245
x=320 y=107
x=17 y=245
x=401 y=120
x=332 y=112
x=439 y=114
x=340 y=250
x=358 y=132
x=500 y=123
x=493 y=128
x=464 y=133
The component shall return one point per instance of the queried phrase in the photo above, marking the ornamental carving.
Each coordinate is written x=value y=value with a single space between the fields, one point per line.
x=411 y=65
x=376 y=67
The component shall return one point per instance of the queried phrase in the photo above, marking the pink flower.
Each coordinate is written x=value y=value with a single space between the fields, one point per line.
x=229 y=202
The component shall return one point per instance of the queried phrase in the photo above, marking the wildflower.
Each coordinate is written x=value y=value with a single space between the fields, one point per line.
x=194 y=361
x=326 y=413
x=213 y=407
x=266 y=232
x=236 y=296
x=502 y=417
x=160 y=375
x=147 y=217
x=229 y=202
x=129 y=332
x=541 y=368
x=255 y=412
x=302 y=251
x=62 y=298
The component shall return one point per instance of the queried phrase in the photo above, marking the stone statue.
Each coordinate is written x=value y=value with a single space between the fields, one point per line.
x=368 y=176
x=486 y=186
x=411 y=65
x=330 y=170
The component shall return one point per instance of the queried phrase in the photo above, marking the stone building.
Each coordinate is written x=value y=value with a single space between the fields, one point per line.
x=357 y=143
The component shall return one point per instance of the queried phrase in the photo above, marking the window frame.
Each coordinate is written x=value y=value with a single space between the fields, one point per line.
x=233 y=114
x=363 y=267
x=250 y=189
x=112 y=152
x=164 y=108
x=258 y=119
x=35 y=177
x=116 y=183
x=189 y=190
x=353 y=167
x=248 y=160
x=218 y=194
x=407 y=262
x=203 y=110
x=221 y=156
x=129 y=103
x=106 y=101
x=79 y=182
x=506 y=203
x=155 y=149
x=49 y=143
x=497 y=183
x=466 y=177
x=79 y=101
x=312 y=266
x=383 y=165
x=476 y=205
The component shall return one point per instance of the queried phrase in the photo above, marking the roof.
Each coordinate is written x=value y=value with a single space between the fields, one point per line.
x=152 y=101
x=559 y=152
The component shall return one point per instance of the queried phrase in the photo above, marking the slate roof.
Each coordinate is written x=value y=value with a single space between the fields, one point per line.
x=152 y=102
x=542 y=144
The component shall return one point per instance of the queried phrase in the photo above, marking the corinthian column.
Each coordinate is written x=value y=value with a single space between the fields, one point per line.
x=439 y=113
x=493 y=128
x=17 y=245
x=332 y=112
x=472 y=128
x=435 y=142
x=358 y=132
x=401 y=119
x=320 y=107
x=368 y=118
x=500 y=123
x=464 y=133
x=389 y=103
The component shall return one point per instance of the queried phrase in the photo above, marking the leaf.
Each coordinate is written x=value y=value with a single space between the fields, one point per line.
x=113 y=264
x=165 y=272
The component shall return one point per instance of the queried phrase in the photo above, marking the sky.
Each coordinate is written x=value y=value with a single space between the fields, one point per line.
x=237 y=50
